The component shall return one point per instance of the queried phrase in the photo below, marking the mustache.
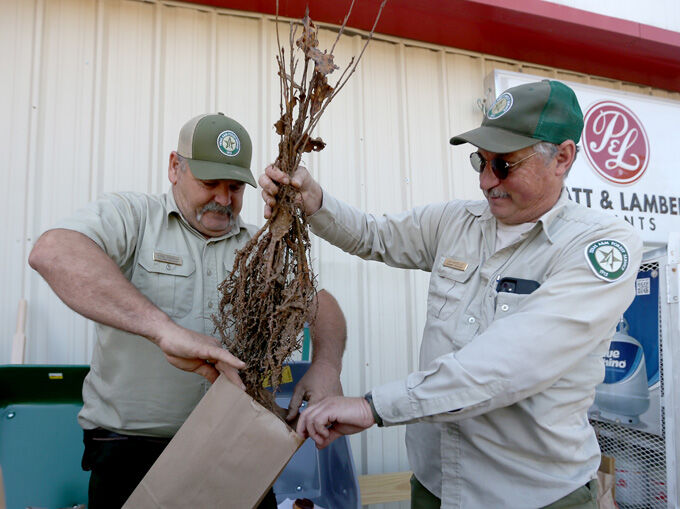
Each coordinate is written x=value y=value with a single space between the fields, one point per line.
x=495 y=193
x=215 y=207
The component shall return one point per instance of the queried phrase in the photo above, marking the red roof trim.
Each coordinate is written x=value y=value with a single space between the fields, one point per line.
x=532 y=31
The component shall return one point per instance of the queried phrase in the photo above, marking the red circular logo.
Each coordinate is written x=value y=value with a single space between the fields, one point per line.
x=615 y=142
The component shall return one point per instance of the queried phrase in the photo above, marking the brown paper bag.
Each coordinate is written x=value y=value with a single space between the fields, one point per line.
x=606 y=478
x=227 y=454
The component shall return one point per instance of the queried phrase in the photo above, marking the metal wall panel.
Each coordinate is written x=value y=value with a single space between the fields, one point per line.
x=126 y=90
x=59 y=173
x=18 y=25
x=385 y=331
x=95 y=100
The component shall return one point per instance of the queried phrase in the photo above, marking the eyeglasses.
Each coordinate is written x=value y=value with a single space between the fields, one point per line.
x=499 y=166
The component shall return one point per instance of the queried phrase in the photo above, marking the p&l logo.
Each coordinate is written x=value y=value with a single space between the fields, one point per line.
x=615 y=142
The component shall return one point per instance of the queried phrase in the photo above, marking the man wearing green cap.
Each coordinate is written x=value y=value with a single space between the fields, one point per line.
x=146 y=270
x=525 y=292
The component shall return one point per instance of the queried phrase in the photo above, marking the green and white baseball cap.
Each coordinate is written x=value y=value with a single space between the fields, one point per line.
x=216 y=147
x=525 y=115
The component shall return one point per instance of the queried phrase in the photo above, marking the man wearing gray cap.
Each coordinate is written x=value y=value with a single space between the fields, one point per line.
x=525 y=292
x=146 y=270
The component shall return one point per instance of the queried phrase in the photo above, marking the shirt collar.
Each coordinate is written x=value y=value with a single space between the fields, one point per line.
x=547 y=220
x=173 y=210
x=479 y=209
x=171 y=205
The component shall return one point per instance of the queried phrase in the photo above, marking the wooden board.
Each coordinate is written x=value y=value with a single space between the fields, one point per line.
x=380 y=488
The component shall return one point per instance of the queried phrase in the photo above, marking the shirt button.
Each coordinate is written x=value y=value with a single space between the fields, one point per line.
x=168 y=266
x=471 y=319
x=209 y=272
x=210 y=304
x=505 y=307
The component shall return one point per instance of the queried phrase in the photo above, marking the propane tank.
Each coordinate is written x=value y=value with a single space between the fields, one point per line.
x=624 y=395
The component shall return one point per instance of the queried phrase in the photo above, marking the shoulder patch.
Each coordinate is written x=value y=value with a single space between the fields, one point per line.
x=607 y=258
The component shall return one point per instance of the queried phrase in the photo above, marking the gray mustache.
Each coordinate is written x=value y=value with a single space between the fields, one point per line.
x=215 y=207
x=494 y=193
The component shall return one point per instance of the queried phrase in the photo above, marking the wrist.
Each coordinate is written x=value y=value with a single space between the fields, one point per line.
x=160 y=326
x=327 y=365
x=316 y=202
x=376 y=417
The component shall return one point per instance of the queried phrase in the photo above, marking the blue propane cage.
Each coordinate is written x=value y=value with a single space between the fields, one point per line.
x=41 y=445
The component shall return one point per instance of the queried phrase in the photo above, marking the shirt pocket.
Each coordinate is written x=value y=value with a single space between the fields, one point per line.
x=507 y=303
x=447 y=288
x=167 y=285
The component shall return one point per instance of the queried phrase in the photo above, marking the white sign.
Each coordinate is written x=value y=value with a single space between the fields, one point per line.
x=626 y=165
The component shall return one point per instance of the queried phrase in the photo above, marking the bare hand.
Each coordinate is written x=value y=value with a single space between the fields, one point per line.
x=198 y=353
x=310 y=192
x=321 y=380
x=334 y=417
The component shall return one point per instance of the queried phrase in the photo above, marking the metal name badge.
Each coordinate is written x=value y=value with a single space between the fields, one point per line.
x=455 y=264
x=167 y=258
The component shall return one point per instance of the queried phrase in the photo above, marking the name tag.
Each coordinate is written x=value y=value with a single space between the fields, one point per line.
x=455 y=264
x=167 y=258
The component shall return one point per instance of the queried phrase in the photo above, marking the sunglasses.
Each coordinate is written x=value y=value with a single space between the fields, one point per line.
x=499 y=166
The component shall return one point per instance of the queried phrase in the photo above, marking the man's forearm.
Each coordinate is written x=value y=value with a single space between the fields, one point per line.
x=90 y=283
x=328 y=331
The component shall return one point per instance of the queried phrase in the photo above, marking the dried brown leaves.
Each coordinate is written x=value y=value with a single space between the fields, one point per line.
x=270 y=292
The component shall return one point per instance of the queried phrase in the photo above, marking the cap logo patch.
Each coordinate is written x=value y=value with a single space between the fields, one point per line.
x=228 y=143
x=608 y=259
x=501 y=106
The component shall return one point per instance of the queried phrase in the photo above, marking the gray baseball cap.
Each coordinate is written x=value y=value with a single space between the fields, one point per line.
x=216 y=147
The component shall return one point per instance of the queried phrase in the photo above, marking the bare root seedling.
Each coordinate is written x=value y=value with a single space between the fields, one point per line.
x=270 y=292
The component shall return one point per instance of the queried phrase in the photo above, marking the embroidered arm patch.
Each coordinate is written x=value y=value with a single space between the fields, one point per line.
x=607 y=258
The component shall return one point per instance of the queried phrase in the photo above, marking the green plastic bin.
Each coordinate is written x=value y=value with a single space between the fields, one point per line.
x=41 y=444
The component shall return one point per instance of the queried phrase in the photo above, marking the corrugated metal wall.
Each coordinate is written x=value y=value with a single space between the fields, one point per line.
x=92 y=98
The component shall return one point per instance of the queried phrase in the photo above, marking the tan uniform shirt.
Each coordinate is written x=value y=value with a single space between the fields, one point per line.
x=131 y=387
x=497 y=411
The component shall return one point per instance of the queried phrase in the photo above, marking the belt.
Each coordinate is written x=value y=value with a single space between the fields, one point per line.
x=104 y=435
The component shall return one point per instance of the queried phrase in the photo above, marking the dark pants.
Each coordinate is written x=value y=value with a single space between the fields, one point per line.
x=584 y=497
x=119 y=462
